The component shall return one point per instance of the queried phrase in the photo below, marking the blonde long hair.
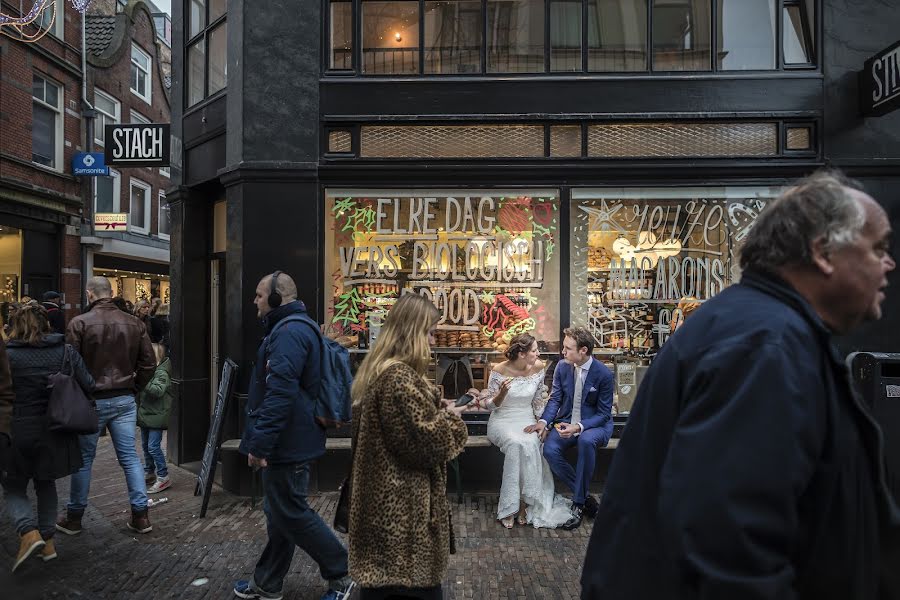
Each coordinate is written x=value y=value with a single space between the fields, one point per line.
x=403 y=339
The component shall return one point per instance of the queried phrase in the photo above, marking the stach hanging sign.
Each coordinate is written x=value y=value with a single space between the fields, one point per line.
x=134 y=145
x=879 y=83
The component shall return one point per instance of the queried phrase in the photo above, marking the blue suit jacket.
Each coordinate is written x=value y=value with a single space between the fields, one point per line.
x=596 y=400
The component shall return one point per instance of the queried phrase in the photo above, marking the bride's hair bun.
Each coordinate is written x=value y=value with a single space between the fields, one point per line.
x=520 y=343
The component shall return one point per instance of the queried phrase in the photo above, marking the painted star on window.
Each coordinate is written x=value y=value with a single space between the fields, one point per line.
x=602 y=218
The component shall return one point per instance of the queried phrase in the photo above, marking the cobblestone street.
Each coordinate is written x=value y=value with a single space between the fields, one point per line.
x=108 y=561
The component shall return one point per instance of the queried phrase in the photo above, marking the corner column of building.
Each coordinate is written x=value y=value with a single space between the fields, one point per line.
x=189 y=317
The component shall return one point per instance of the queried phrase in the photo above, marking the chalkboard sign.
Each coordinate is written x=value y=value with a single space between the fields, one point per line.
x=214 y=439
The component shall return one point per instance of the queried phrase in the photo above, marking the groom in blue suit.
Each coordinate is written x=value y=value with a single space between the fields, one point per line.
x=578 y=413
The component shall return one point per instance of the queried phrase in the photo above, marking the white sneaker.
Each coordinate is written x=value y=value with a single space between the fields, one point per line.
x=162 y=483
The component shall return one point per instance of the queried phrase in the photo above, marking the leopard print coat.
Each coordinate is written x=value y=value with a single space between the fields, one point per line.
x=400 y=531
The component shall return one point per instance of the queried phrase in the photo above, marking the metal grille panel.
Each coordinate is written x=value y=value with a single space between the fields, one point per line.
x=798 y=138
x=339 y=141
x=672 y=140
x=565 y=141
x=452 y=141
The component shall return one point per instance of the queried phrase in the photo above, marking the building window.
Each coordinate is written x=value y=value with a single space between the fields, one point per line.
x=515 y=36
x=47 y=123
x=464 y=37
x=390 y=37
x=139 y=209
x=53 y=20
x=165 y=172
x=206 y=52
x=163 y=216
x=141 y=80
x=108 y=113
x=138 y=118
x=107 y=192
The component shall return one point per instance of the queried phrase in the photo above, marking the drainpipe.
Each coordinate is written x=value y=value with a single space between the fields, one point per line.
x=87 y=190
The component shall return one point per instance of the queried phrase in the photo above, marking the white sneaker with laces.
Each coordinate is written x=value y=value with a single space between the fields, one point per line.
x=162 y=483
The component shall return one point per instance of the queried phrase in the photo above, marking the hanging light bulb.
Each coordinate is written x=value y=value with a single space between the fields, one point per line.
x=398 y=37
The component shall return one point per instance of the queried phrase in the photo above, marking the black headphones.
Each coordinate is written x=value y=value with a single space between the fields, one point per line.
x=274 y=297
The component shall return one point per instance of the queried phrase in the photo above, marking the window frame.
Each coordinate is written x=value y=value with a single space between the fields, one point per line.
x=59 y=17
x=117 y=191
x=811 y=31
x=203 y=35
x=161 y=197
x=59 y=121
x=148 y=207
x=148 y=72
x=136 y=118
x=100 y=129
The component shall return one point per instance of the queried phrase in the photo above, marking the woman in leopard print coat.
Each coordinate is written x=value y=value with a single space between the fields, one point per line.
x=400 y=531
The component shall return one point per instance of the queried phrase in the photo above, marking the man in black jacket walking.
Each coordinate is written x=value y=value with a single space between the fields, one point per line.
x=748 y=468
x=55 y=315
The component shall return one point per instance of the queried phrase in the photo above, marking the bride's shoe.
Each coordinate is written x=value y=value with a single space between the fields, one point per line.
x=507 y=522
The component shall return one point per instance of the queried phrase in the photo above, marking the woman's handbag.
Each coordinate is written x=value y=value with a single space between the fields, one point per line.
x=69 y=409
x=342 y=512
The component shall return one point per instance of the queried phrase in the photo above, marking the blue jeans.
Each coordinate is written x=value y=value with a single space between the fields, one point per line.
x=154 y=457
x=119 y=415
x=291 y=522
x=18 y=505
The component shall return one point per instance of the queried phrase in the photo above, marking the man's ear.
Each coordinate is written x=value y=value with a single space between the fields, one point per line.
x=821 y=256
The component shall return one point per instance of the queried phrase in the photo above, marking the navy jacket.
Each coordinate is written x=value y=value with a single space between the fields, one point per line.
x=596 y=399
x=280 y=425
x=748 y=469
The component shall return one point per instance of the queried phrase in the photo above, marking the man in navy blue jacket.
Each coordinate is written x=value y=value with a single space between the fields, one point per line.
x=748 y=468
x=281 y=437
x=577 y=414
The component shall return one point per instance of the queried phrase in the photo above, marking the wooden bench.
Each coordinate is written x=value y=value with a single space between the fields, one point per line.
x=474 y=441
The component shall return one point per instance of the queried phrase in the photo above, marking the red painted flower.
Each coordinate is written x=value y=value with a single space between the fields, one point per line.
x=543 y=213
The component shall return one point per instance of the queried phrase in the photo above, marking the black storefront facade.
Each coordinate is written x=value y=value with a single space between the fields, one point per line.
x=572 y=184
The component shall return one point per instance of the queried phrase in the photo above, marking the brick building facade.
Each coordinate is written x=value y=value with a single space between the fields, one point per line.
x=127 y=83
x=40 y=130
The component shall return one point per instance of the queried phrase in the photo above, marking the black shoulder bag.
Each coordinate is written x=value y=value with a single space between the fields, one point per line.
x=69 y=409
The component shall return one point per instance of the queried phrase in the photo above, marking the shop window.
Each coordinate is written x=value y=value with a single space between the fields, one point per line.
x=206 y=62
x=141 y=79
x=453 y=36
x=163 y=217
x=47 y=123
x=798 y=21
x=681 y=35
x=565 y=35
x=340 y=36
x=107 y=192
x=636 y=253
x=746 y=35
x=139 y=207
x=617 y=35
x=390 y=37
x=515 y=36
x=108 y=113
x=488 y=260
x=10 y=268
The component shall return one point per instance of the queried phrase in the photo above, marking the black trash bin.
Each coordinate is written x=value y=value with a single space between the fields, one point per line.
x=877 y=378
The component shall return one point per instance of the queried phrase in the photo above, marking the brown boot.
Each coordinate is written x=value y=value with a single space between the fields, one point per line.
x=70 y=524
x=48 y=552
x=31 y=542
x=140 y=521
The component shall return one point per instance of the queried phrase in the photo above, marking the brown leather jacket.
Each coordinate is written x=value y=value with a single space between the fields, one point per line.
x=115 y=347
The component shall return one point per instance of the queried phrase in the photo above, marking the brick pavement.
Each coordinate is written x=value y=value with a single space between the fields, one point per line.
x=108 y=561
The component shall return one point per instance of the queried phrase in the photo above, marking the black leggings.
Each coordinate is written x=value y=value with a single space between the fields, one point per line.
x=401 y=593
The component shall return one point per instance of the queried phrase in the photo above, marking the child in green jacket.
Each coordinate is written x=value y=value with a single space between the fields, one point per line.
x=153 y=418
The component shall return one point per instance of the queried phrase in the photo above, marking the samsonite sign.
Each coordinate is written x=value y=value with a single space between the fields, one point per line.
x=879 y=83
x=136 y=145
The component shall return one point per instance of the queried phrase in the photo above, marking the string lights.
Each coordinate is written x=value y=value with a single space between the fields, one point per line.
x=33 y=25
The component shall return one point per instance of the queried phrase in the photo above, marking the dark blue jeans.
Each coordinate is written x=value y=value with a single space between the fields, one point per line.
x=291 y=522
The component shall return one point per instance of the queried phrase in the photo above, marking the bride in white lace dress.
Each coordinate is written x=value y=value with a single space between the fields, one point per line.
x=515 y=393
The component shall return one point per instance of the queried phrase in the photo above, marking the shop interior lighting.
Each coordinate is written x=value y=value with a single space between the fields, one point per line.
x=648 y=247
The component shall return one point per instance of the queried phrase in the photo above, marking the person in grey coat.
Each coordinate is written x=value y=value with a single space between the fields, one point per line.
x=37 y=454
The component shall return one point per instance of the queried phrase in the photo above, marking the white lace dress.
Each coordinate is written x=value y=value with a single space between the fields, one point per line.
x=526 y=473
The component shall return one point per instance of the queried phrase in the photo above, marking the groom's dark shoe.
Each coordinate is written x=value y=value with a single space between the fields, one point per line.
x=575 y=520
x=591 y=506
